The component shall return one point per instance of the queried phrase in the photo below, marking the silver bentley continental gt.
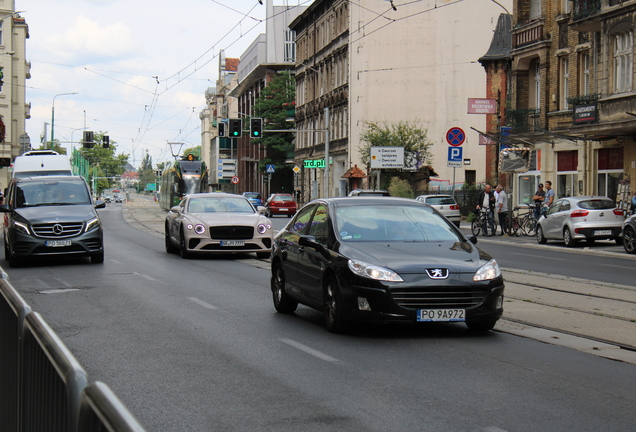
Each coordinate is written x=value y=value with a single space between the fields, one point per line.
x=208 y=223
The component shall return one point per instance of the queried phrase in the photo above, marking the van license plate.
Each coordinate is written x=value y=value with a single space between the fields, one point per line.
x=58 y=243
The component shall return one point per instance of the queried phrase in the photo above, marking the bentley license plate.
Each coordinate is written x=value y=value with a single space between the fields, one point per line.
x=58 y=243
x=445 y=315
x=233 y=243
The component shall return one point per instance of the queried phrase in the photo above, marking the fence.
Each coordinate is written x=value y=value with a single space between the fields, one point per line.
x=466 y=199
x=42 y=386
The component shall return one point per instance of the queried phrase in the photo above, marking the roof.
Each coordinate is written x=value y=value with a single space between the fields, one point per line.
x=501 y=43
x=354 y=172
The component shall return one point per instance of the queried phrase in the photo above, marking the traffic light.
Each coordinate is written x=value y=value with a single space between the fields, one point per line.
x=221 y=129
x=105 y=141
x=256 y=127
x=236 y=128
x=87 y=141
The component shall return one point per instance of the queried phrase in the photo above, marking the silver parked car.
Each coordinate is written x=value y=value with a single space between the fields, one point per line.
x=586 y=218
x=445 y=204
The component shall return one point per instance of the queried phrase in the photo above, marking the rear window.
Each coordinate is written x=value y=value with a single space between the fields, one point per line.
x=440 y=200
x=282 y=198
x=597 y=204
x=253 y=195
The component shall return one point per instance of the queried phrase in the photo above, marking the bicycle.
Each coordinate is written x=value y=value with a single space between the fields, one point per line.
x=528 y=223
x=483 y=223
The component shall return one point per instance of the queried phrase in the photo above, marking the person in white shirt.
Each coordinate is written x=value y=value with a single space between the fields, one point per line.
x=502 y=209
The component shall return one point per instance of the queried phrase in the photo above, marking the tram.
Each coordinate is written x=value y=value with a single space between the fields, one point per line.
x=181 y=178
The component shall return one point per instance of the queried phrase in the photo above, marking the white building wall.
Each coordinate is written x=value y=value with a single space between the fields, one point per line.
x=422 y=66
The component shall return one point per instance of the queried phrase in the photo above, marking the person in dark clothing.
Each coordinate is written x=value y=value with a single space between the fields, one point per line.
x=486 y=199
x=538 y=198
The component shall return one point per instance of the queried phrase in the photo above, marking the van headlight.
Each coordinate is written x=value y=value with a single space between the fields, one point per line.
x=488 y=271
x=92 y=224
x=21 y=227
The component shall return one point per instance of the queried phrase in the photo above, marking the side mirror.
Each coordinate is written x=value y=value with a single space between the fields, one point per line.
x=100 y=204
x=310 y=241
x=473 y=239
x=262 y=210
x=175 y=209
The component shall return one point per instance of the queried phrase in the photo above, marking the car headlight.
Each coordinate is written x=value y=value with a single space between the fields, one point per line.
x=92 y=224
x=199 y=229
x=371 y=271
x=23 y=228
x=262 y=228
x=488 y=271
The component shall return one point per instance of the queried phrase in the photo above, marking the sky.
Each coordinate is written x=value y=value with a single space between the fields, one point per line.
x=140 y=67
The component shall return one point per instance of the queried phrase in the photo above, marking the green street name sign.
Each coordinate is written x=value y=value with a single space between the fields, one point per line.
x=314 y=163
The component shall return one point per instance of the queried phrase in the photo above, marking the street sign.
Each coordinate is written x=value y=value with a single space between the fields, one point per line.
x=455 y=136
x=455 y=157
x=314 y=163
x=482 y=106
x=235 y=180
x=269 y=169
x=387 y=157
x=296 y=169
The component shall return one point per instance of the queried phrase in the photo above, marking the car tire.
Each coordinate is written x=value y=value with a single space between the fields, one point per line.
x=333 y=306
x=481 y=326
x=170 y=248
x=567 y=238
x=283 y=303
x=629 y=240
x=540 y=237
x=182 y=246
x=263 y=255
x=13 y=261
x=98 y=259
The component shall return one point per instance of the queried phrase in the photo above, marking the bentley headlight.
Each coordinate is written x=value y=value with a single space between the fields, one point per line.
x=488 y=271
x=262 y=228
x=199 y=229
x=23 y=228
x=92 y=224
x=371 y=271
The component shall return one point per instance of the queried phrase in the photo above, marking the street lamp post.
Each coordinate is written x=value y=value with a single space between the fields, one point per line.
x=53 y=116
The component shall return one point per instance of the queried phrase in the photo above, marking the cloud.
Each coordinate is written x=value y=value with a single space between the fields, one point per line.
x=87 y=40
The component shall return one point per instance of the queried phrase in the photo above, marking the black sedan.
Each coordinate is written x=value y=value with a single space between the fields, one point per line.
x=383 y=259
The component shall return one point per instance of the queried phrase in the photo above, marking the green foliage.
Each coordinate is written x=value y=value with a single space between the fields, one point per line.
x=196 y=151
x=56 y=147
x=272 y=105
x=400 y=188
x=103 y=162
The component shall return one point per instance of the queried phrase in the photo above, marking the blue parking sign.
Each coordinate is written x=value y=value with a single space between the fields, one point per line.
x=455 y=157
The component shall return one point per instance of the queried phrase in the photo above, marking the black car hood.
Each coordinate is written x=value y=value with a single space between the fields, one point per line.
x=414 y=257
x=59 y=213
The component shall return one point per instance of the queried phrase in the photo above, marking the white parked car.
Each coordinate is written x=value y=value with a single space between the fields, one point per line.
x=445 y=204
x=216 y=222
x=586 y=218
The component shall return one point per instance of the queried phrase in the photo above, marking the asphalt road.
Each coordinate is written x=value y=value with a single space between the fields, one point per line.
x=195 y=345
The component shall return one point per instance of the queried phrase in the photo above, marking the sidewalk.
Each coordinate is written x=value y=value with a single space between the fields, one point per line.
x=596 y=310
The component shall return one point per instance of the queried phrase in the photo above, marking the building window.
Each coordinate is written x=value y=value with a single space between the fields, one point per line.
x=470 y=177
x=564 y=82
x=535 y=9
x=290 y=46
x=610 y=171
x=623 y=45
x=534 y=96
x=567 y=173
x=565 y=6
x=584 y=70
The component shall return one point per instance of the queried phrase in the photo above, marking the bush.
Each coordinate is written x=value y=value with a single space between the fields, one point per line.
x=400 y=188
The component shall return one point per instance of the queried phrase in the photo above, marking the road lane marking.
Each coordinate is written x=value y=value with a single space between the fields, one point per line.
x=58 y=291
x=150 y=278
x=310 y=351
x=202 y=303
x=537 y=256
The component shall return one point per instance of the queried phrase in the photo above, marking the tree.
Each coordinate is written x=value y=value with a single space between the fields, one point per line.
x=56 y=147
x=273 y=105
x=409 y=135
x=103 y=162
x=146 y=172
x=196 y=151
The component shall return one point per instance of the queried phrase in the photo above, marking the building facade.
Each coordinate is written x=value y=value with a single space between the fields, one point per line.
x=364 y=62
x=574 y=99
x=14 y=110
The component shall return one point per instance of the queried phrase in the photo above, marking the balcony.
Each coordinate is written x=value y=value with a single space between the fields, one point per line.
x=523 y=120
x=527 y=34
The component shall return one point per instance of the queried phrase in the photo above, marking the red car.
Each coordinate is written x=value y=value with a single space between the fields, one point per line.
x=281 y=204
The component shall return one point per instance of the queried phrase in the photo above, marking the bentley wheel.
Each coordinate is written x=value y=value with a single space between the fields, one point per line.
x=182 y=246
x=169 y=246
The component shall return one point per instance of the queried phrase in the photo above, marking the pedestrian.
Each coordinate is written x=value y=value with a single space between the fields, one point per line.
x=298 y=194
x=502 y=209
x=549 y=197
x=632 y=208
x=486 y=200
x=538 y=198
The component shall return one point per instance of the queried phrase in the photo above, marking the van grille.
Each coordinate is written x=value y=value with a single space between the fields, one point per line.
x=58 y=230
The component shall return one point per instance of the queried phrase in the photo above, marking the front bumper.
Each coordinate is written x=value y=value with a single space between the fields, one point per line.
x=86 y=244
x=206 y=245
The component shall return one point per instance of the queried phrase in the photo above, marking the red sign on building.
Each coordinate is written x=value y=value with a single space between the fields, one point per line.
x=482 y=106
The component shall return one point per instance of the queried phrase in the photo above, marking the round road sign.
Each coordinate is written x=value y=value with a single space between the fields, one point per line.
x=455 y=136
x=235 y=180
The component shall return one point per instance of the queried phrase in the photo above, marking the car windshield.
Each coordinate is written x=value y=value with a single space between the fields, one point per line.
x=597 y=204
x=280 y=198
x=393 y=223
x=440 y=200
x=219 y=205
x=51 y=192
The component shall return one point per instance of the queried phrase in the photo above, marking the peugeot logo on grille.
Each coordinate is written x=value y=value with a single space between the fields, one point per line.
x=58 y=229
x=437 y=273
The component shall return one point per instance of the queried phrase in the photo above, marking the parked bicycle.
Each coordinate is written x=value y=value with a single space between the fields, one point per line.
x=483 y=224
x=528 y=223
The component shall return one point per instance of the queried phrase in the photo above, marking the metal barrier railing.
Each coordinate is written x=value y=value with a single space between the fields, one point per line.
x=42 y=386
